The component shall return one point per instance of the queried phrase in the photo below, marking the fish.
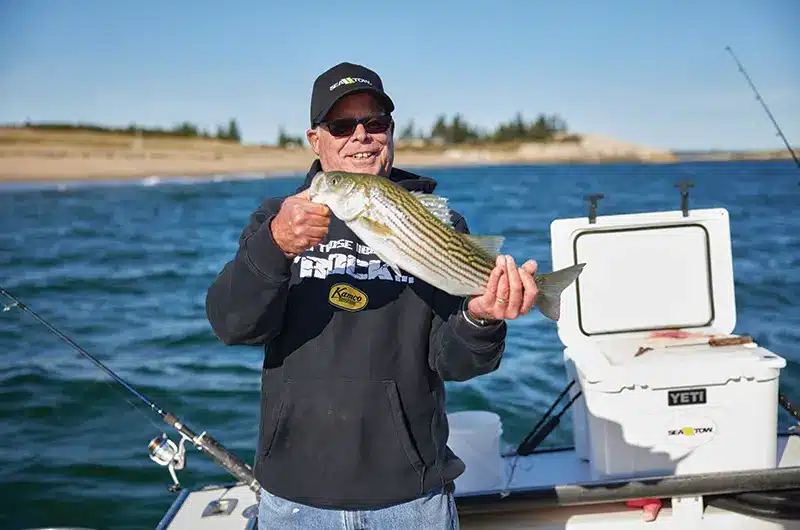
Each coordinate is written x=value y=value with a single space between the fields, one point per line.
x=412 y=231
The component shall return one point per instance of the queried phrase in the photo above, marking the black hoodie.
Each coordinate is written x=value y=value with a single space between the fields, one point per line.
x=353 y=401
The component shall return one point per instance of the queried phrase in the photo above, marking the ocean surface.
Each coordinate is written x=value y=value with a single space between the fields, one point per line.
x=123 y=268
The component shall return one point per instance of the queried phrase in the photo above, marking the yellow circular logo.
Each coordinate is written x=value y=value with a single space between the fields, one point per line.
x=347 y=297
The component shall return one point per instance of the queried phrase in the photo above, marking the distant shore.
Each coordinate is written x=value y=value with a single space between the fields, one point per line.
x=60 y=157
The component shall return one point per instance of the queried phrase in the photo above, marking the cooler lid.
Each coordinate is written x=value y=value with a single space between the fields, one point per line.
x=645 y=272
x=613 y=366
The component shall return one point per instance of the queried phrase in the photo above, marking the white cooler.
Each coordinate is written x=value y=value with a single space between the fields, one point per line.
x=682 y=406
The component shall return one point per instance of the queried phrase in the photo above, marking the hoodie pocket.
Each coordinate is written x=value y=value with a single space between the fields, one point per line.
x=271 y=411
x=345 y=441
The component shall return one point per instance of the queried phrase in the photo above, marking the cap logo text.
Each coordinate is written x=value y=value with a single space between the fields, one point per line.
x=350 y=81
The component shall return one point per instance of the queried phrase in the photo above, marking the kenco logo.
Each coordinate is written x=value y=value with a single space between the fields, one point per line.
x=347 y=297
x=349 y=81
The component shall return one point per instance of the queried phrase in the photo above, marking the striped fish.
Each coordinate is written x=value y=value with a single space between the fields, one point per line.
x=412 y=231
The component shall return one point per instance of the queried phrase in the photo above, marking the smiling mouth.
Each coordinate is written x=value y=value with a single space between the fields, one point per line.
x=362 y=156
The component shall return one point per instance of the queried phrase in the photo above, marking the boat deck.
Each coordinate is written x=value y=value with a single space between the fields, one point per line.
x=534 y=490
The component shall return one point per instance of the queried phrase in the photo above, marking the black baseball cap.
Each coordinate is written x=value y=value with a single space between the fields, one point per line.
x=341 y=80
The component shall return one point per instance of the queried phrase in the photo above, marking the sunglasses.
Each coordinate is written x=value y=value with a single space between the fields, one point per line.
x=347 y=126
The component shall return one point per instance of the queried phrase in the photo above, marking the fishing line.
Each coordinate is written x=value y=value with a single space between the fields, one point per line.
x=17 y=303
x=162 y=450
x=541 y=431
x=764 y=104
x=547 y=424
x=133 y=405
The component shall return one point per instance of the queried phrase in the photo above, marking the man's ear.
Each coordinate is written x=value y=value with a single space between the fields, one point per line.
x=391 y=131
x=313 y=139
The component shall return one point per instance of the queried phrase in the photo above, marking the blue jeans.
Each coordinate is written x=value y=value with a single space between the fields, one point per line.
x=434 y=511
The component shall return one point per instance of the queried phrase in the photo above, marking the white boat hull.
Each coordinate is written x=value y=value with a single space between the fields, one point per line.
x=538 y=474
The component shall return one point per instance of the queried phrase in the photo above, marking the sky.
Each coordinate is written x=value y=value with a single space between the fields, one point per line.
x=651 y=72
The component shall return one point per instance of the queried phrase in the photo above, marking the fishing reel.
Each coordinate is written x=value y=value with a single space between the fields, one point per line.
x=164 y=452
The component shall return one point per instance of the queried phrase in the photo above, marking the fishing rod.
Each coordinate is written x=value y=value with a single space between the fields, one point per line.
x=547 y=423
x=764 y=104
x=161 y=449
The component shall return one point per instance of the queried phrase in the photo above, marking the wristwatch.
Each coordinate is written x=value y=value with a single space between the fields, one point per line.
x=479 y=322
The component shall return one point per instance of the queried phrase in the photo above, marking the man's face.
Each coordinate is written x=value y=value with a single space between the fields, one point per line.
x=359 y=152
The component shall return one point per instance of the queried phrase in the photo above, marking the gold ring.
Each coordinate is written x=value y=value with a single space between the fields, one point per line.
x=502 y=301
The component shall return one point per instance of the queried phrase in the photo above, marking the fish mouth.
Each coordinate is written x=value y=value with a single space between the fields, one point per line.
x=317 y=185
x=325 y=187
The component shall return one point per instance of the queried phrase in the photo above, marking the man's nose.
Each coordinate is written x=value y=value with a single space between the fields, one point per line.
x=360 y=133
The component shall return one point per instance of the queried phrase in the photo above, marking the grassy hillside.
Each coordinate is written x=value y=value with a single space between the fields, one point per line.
x=11 y=137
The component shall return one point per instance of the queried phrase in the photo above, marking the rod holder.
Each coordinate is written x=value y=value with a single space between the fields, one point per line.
x=593 y=206
x=684 y=186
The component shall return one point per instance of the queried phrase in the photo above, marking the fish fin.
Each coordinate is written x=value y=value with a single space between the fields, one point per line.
x=490 y=244
x=394 y=268
x=551 y=285
x=391 y=264
x=435 y=204
x=375 y=226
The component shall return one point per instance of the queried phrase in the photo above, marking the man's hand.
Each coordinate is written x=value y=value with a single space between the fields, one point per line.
x=511 y=291
x=300 y=224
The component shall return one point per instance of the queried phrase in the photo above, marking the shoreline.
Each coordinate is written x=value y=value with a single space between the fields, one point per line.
x=37 y=156
x=30 y=169
x=53 y=163
x=70 y=164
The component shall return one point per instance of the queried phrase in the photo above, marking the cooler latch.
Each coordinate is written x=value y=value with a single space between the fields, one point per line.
x=593 y=206
x=684 y=186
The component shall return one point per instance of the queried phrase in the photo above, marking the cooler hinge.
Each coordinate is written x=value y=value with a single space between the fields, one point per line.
x=687 y=512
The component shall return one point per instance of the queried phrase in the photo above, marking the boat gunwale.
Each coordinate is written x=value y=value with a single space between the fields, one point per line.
x=175 y=507
x=592 y=492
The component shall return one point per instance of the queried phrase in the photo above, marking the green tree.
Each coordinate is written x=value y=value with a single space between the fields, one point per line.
x=186 y=129
x=440 y=129
x=285 y=140
x=233 y=131
x=407 y=133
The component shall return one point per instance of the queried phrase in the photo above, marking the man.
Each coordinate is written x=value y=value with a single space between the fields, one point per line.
x=353 y=424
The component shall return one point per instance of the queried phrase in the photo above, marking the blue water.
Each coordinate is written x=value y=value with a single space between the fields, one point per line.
x=123 y=270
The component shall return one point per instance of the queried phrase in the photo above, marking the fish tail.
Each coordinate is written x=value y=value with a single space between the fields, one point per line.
x=551 y=285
